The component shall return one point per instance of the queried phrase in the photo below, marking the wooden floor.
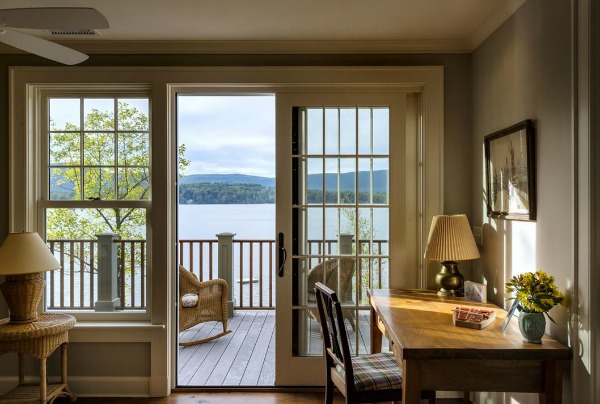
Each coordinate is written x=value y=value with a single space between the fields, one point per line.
x=246 y=357
x=218 y=398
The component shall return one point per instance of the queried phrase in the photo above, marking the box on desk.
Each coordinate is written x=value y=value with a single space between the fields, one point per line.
x=472 y=317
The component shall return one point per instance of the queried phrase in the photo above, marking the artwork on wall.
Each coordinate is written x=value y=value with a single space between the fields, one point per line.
x=510 y=173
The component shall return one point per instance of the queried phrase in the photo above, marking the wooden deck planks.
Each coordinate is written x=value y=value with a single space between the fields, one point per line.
x=246 y=357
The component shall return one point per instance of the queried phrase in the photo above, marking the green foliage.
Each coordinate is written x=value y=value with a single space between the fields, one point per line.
x=105 y=167
x=535 y=292
x=219 y=193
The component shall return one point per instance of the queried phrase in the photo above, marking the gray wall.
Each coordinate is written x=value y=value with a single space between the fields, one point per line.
x=457 y=166
x=523 y=71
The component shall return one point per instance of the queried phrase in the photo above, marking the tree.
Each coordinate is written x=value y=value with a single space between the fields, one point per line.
x=110 y=165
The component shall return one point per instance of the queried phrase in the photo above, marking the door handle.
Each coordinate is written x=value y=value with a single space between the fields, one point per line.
x=282 y=254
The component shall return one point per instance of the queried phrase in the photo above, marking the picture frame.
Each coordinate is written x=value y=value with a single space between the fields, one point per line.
x=510 y=173
x=476 y=292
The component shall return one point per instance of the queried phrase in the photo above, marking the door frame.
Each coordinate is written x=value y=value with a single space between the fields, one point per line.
x=427 y=81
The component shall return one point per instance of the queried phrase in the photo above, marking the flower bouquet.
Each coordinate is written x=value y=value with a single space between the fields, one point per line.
x=536 y=294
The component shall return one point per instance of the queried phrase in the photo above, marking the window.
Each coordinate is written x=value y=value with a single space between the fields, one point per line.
x=96 y=181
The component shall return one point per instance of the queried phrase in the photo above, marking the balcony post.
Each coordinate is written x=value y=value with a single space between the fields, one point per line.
x=225 y=241
x=346 y=243
x=108 y=298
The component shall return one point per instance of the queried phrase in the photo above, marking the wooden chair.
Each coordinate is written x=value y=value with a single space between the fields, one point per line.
x=361 y=379
x=327 y=272
x=200 y=302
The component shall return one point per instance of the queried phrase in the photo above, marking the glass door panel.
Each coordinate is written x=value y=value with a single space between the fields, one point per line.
x=338 y=225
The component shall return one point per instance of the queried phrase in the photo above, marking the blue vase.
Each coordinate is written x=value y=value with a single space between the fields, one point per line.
x=532 y=326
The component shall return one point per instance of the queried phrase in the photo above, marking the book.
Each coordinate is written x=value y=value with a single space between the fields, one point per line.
x=473 y=317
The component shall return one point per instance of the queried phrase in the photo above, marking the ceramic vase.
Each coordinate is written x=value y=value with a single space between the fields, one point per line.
x=532 y=326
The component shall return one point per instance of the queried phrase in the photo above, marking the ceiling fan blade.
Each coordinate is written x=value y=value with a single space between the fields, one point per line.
x=53 y=18
x=41 y=47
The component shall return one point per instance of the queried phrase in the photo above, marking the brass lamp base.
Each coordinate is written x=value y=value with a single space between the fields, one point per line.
x=450 y=280
x=23 y=294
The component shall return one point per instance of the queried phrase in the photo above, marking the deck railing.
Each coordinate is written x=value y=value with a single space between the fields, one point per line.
x=75 y=285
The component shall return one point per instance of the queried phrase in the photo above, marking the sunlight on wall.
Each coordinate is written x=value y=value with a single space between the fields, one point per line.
x=522 y=248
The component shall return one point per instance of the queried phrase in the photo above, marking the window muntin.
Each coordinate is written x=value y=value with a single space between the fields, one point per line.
x=98 y=149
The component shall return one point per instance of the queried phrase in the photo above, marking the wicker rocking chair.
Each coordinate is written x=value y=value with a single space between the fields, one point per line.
x=345 y=269
x=200 y=302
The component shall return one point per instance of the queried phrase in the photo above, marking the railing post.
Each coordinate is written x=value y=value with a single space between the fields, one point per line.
x=225 y=241
x=345 y=242
x=108 y=298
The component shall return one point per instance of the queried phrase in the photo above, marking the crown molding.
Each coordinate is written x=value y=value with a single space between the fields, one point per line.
x=465 y=45
x=492 y=22
x=260 y=47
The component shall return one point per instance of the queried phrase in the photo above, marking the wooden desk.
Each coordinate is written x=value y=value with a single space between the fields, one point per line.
x=436 y=355
x=38 y=339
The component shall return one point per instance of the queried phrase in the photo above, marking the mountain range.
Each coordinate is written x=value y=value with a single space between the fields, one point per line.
x=380 y=179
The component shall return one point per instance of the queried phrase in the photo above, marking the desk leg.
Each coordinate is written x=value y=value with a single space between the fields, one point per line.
x=552 y=383
x=411 y=382
x=43 y=387
x=375 y=333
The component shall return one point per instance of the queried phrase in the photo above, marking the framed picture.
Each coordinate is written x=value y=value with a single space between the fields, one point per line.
x=510 y=173
x=476 y=292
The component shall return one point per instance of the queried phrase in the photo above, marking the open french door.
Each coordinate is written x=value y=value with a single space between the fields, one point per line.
x=346 y=192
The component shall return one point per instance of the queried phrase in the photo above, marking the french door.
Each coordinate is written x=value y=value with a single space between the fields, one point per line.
x=346 y=194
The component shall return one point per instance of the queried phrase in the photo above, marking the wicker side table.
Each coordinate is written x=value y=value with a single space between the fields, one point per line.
x=38 y=339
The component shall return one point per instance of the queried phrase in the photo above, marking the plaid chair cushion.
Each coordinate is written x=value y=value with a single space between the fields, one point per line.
x=376 y=372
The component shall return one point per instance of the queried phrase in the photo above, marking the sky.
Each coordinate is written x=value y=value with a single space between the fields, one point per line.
x=228 y=134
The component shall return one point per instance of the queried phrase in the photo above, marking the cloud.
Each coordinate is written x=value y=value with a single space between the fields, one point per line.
x=228 y=134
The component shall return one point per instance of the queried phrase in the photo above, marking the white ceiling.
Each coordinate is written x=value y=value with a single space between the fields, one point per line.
x=284 y=25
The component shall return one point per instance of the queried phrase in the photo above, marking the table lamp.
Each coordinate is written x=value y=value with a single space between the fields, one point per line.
x=23 y=258
x=450 y=240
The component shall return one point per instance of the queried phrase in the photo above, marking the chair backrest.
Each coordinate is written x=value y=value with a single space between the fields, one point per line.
x=335 y=339
x=327 y=272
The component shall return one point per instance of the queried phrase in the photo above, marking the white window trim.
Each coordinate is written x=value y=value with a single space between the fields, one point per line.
x=164 y=83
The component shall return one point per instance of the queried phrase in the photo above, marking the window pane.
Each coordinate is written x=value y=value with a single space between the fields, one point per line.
x=332 y=131
x=64 y=184
x=314 y=181
x=99 y=183
x=134 y=149
x=348 y=131
x=72 y=237
x=364 y=180
x=99 y=114
x=381 y=130
x=99 y=149
x=64 y=114
x=314 y=130
x=364 y=130
x=65 y=149
x=347 y=181
x=133 y=183
x=331 y=180
x=381 y=181
x=133 y=114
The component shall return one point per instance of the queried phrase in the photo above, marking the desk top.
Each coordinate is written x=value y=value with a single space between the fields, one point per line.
x=420 y=323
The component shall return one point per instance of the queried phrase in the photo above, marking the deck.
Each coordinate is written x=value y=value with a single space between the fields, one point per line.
x=246 y=357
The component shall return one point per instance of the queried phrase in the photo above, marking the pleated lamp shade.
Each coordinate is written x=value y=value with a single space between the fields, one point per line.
x=23 y=259
x=451 y=239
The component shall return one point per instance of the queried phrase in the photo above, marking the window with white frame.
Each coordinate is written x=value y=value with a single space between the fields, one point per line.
x=94 y=198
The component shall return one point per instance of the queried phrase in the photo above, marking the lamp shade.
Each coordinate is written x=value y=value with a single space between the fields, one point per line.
x=25 y=253
x=451 y=239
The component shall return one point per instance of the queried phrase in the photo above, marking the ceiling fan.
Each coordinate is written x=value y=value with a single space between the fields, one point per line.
x=49 y=18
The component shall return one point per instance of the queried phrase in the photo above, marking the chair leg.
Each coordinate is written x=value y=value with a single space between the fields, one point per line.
x=329 y=391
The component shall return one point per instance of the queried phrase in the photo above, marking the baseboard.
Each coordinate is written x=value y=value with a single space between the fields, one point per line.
x=94 y=386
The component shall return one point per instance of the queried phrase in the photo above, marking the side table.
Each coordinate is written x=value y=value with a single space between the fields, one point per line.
x=38 y=339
